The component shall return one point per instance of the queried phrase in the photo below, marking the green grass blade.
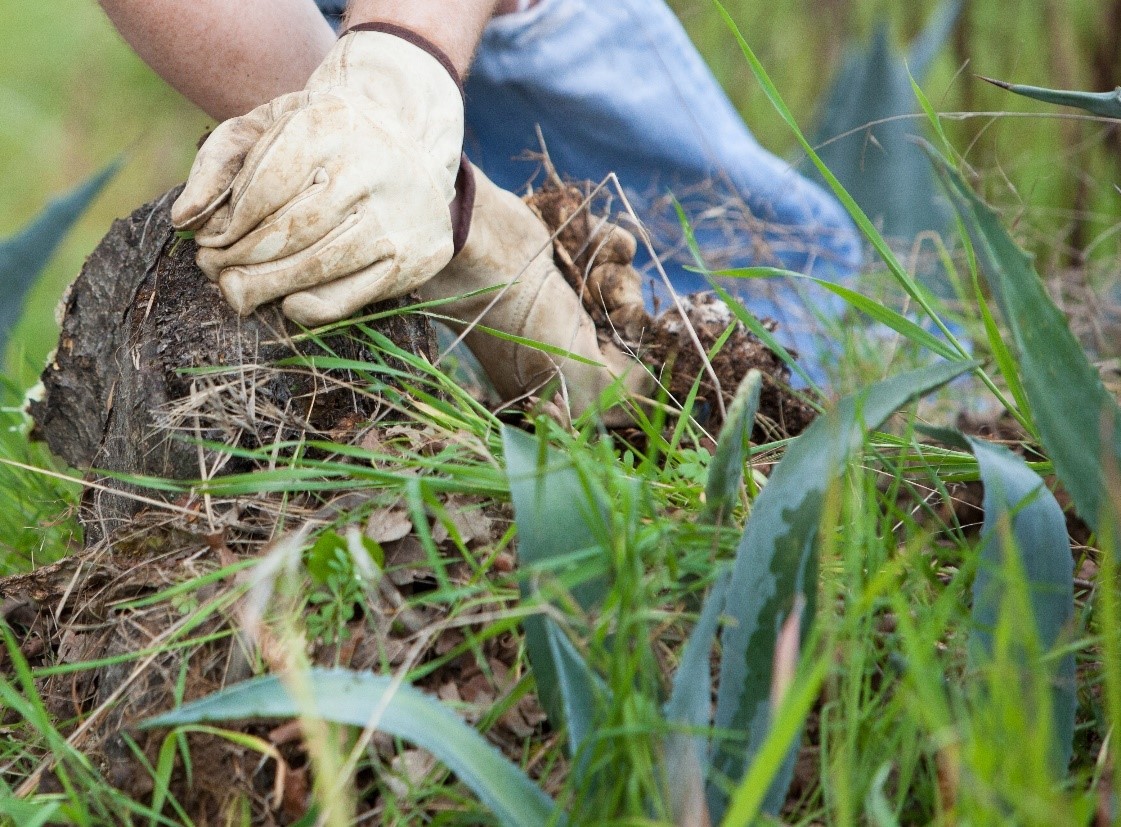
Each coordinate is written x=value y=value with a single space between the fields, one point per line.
x=876 y=804
x=557 y=516
x=24 y=255
x=725 y=472
x=859 y=216
x=1002 y=354
x=552 y=350
x=29 y=813
x=361 y=698
x=1071 y=407
x=869 y=307
x=776 y=562
x=1106 y=104
x=1016 y=496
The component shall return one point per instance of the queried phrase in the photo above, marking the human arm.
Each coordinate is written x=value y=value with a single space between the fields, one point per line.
x=455 y=26
x=229 y=56
x=226 y=56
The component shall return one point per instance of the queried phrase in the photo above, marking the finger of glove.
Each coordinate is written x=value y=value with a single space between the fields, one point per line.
x=299 y=225
x=287 y=160
x=350 y=248
x=615 y=285
x=343 y=297
x=220 y=159
x=611 y=243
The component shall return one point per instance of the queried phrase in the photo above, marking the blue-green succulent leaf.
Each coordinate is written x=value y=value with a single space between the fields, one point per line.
x=1106 y=104
x=776 y=567
x=1079 y=421
x=24 y=255
x=363 y=699
x=1024 y=521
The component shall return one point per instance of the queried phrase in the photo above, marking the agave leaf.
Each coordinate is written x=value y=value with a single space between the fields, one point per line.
x=777 y=562
x=581 y=691
x=690 y=704
x=865 y=137
x=1072 y=409
x=929 y=42
x=726 y=469
x=24 y=255
x=1016 y=495
x=361 y=699
x=1106 y=104
x=557 y=516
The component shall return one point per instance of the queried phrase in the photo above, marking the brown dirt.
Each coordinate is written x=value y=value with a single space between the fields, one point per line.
x=967 y=498
x=595 y=257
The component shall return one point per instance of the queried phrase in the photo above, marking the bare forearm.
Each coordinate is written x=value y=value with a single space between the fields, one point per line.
x=227 y=56
x=454 y=25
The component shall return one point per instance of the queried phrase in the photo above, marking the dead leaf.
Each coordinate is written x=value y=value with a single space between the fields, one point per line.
x=387 y=525
x=409 y=769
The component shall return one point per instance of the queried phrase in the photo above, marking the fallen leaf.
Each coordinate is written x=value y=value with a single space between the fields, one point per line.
x=387 y=525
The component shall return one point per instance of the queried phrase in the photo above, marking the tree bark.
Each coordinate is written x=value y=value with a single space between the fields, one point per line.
x=151 y=360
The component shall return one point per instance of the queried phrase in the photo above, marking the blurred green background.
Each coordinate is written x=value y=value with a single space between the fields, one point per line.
x=73 y=97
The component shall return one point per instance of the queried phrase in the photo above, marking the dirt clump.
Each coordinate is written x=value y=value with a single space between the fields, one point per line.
x=595 y=256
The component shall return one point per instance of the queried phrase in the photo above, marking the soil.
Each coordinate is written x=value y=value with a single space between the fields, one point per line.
x=595 y=258
x=151 y=359
x=93 y=605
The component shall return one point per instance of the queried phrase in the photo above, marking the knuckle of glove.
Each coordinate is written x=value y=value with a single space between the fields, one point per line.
x=614 y=244
x=220 y=159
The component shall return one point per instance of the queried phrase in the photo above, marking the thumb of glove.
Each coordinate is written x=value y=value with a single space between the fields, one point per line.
x=220 y=159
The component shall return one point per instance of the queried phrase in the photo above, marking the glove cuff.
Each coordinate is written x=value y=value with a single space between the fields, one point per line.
x=409 y=36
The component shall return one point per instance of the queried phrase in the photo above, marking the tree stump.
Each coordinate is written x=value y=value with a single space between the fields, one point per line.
x=151 y=361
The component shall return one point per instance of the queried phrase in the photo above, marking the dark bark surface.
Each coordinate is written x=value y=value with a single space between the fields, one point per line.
x=151 y=359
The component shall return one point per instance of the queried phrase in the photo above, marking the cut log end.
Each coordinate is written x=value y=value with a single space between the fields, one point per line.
x=151 y=361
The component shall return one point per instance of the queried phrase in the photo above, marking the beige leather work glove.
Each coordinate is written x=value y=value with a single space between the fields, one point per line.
x=339 y=195
x=509 y=246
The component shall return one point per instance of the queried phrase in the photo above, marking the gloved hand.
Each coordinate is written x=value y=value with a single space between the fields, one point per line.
x=509 y=246
x=337 y=196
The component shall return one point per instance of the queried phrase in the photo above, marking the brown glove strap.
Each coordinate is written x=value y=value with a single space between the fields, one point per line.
x=463 y=204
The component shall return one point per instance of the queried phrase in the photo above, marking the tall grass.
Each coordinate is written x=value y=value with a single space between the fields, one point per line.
x=911 y=724
x=1054 y=170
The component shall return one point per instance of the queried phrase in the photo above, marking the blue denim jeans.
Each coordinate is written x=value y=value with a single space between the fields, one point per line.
x=615 y=86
